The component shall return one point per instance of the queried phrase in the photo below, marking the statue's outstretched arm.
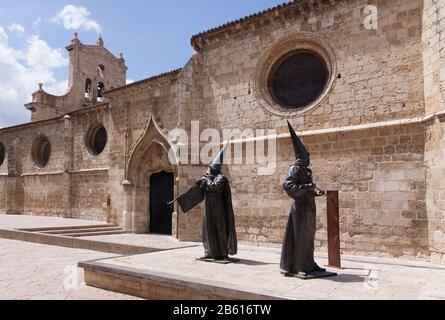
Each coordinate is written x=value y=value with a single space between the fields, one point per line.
x=293 y=186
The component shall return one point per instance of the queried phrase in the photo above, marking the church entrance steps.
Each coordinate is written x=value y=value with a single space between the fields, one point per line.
x=175 y=274
x=61 y=229
x=74 y=242
x=97 y=233
x=81 y=231
x=35 y=222
x=83 y=234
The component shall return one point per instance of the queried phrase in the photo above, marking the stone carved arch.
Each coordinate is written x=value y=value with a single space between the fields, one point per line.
x=149 y=155
x=153 y=133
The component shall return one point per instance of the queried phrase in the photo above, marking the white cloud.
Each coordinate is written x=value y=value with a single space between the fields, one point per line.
x=3 y=37
x=18 y=29
x=36 y=23
x=40 y=55
x=21 y=70
x=58 y=88
x=130 y=81
x=74 y=18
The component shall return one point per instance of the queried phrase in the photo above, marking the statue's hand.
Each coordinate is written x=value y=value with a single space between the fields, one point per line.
x=202 y=183
x=309 y=186
x=320 y=193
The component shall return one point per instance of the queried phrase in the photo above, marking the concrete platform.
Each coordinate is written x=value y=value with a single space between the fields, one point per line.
x=159 y=242
x=175 y=274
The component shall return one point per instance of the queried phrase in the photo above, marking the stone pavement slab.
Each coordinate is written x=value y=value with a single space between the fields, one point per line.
x=31 y=271
x=258 y=272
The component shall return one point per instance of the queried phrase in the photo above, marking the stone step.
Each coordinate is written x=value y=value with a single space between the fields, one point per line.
x=88 y=230
x=90 y=234
x=68 y=227
x=77 y=242
x=155 y=285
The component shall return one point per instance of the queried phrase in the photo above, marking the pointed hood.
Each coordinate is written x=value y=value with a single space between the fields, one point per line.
x=215 y=166
x=300 y=150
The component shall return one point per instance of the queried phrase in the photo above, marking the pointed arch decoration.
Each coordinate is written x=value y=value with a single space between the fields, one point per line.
x=153 y=134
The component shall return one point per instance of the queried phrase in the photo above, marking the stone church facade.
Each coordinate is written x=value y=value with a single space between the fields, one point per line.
x=372 y=118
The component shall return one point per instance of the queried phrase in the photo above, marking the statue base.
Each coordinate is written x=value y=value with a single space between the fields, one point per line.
x=312 y=275
x=227 y=261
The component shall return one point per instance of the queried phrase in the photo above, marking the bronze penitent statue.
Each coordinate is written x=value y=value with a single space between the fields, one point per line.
x=218 y=230
x=297 y=257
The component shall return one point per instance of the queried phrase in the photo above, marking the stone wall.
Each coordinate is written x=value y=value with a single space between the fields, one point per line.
x=74 y=182
x=3 y=181
x=190 y=224
x=138 y=114
x=89 y=195
x=377 y=70
x=435 y=197
x=88 y=172
x=380 y=172
x=81 y=126
x=434 y=73
x=434 y=54
x=381 y=178
x=44 y=195
x=30 y=188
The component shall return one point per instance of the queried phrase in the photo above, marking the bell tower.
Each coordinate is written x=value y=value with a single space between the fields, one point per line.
x=92 y=71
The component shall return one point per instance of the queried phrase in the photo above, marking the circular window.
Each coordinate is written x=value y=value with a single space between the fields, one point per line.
x=41 y=151
x=295 y=74
x=97 y=140
x=298 y=79
x=2 y=153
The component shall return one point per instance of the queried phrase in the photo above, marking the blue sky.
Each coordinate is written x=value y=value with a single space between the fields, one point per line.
x=153 y=35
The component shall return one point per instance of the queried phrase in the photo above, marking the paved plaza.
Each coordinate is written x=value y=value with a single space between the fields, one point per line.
x=39 y=271
x=31 y=271
x=36 y=271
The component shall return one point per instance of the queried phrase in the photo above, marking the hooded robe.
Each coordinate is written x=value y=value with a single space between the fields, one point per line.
x=218 y=222
x=218 y=227
x=298 y=245
x=297 y=256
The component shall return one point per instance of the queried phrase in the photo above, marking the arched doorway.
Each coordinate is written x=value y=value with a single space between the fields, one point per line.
x=161 y=193
x=151 y=182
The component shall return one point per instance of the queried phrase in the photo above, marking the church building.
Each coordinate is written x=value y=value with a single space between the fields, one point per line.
x=362 y=81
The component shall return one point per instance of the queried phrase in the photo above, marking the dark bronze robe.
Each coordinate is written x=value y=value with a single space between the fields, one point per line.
x=298 y=245
x=218 y=229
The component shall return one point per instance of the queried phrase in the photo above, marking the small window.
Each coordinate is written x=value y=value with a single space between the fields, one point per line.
x=88 y=87
x=41 y=151
x=2 y=153
x=97 y=140
x=101 y=70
